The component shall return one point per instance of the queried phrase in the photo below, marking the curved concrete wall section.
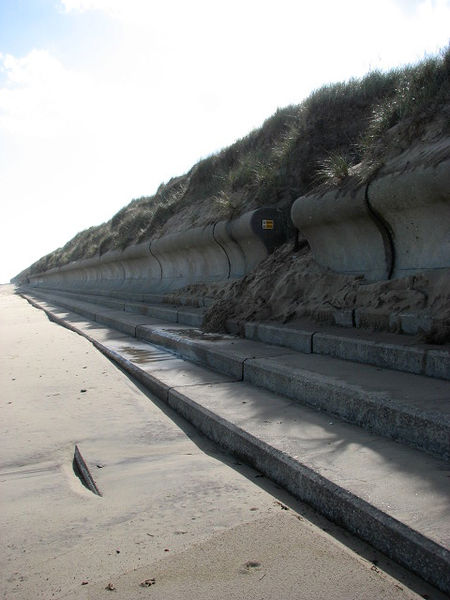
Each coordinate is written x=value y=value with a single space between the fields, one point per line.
x=250 y=238
x=109 y=274
x=395 y=226
x=188 y=257
x=342 y=232
x=142 y=271
x=416 y=205
x=217 y=252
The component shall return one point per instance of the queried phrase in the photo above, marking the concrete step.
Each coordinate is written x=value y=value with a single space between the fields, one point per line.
x=391 y=495
x=387 y=350
x=380 y=349
x=88 y=302
x=407 y=408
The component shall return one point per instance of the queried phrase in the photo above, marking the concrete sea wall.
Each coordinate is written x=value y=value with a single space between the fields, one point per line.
x=217 y=252
x=396 y=225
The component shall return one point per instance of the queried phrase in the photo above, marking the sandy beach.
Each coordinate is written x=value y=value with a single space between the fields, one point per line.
x=177 y=518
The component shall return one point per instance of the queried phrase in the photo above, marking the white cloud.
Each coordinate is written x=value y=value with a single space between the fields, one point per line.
x=40 y=97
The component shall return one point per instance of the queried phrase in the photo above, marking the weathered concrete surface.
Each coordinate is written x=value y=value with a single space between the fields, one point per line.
x=438 y=363
x=381 y=349
x=163 y=485
x=297 y=338
x=175 y=314
x=401 y=529
x=246 y=240
x=342 y=232
x=392 y=355
x=215 y=252
x=394 y=226
x=223 y=353
x=405 y=407
x=371 y=485
x=414 y=200
x=387 y=350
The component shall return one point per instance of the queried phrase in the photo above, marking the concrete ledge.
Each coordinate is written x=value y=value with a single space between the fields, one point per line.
x=190 y=316
x=104 y=301
x=167 y=313
x=365 y=397
x=386 y=355
x=290 y=337
x=125 y=322
x=219 y=352
x=437 y=364
x=380 y=349
x=82 y=308
x=372 y=320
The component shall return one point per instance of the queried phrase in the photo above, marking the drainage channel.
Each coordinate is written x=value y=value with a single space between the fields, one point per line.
x=82 y=472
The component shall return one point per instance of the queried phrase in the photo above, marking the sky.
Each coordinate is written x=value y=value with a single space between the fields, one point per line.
x=103 y=100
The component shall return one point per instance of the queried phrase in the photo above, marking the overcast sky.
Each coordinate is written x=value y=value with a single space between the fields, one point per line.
x=102 y=100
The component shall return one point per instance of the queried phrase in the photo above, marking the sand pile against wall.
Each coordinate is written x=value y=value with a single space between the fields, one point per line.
x=291 y=285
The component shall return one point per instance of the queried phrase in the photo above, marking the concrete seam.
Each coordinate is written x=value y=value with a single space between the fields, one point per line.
x=157 y=259
x=225 y=252
x=423 y=367
x=385 y=232
x=235 y=240
x=123 y=270
x=243 y=367
x=312 y=342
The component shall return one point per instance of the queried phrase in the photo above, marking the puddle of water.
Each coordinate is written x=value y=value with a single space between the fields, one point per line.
x=140 y=355
x=196 y=334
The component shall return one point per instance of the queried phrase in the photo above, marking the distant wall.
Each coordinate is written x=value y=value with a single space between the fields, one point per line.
x=396 y=225
x=217 y=252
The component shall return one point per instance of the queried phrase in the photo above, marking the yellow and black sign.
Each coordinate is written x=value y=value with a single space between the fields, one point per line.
x=267 y=223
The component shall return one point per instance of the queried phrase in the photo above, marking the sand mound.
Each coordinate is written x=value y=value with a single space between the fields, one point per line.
x=291 y=285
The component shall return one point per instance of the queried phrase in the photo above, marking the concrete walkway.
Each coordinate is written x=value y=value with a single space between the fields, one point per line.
x=174 y=507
